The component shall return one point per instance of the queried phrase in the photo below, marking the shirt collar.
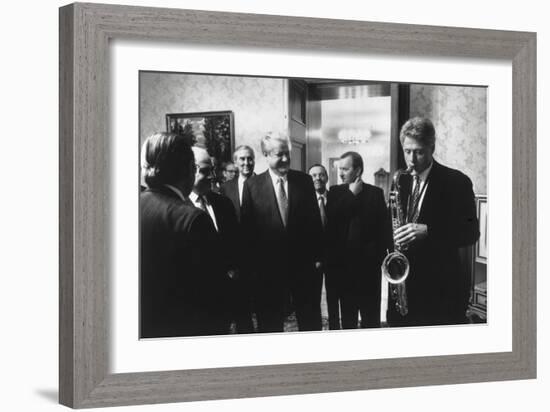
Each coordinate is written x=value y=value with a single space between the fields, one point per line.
x=324 y=195
x=275 y=178
x=195 y=198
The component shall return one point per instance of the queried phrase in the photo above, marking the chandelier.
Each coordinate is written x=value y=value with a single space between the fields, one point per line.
x=354 y=136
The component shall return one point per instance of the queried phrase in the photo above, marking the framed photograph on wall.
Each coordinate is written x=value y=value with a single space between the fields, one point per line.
x=102 y=360
x=481 y=247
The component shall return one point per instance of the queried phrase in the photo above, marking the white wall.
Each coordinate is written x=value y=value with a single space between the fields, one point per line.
x=28 y=302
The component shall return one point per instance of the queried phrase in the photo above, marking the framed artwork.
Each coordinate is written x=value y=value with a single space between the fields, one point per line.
x=213 y=130
x=88 y=377
x=481 y=246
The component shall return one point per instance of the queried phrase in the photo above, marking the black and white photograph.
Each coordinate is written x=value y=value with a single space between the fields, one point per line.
x=281 y=205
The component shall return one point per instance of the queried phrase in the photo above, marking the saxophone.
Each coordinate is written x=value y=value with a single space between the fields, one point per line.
x=395 y=266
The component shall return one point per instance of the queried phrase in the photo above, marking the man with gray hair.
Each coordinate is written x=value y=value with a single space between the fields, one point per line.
x=243 y=158
x=282 y=225
x=441 y=217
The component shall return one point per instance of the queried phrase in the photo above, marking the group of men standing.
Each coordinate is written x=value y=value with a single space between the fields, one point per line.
x=265 y=242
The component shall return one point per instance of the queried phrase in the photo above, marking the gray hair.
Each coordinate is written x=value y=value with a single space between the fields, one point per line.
x=266 y=143
x=241 y=148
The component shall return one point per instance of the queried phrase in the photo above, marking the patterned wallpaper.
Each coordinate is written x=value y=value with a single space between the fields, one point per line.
x=459 y=115
x=259 y=104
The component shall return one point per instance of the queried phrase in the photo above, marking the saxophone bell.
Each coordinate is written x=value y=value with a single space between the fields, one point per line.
x=395 y=267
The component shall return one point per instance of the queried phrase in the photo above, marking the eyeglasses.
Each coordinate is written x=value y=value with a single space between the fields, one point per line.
x=204 y=170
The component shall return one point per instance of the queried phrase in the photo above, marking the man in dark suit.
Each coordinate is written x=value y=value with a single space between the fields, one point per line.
x=320 y=178
x=244 y=159
x=440 y=206
x=221 y=211
x=359 y=232
x=282 y=224
x=179 y=281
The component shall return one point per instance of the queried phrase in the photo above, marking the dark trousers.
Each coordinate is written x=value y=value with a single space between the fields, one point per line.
x=239 y=304
x=360 y=293
x=272 y=296
x=332 y=288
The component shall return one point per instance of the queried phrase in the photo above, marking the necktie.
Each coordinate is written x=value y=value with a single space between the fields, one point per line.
x=282 y=200
x=413 y=213
x=323 y=211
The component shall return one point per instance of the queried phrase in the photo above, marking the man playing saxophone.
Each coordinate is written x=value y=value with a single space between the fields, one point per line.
x=440 y=215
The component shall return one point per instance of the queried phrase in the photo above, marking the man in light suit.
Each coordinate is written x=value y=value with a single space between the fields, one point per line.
x=244 y=159
x=221 y=211
x=359 y=233
x=180 y=283
x=281 y=221
x=440 y=205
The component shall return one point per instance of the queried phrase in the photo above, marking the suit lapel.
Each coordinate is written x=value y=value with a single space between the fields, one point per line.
x=292 y=194
x=431 y=190
x=233 y=194
x=405 y=192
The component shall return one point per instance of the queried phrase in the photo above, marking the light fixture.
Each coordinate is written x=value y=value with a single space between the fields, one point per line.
x=354 y=136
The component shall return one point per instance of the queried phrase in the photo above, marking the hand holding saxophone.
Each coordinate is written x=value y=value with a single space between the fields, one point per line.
x=409 y=233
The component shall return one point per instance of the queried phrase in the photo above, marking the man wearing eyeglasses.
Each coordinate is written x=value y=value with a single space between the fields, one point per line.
x=221 y=212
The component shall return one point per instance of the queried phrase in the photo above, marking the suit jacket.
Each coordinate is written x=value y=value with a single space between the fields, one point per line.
x=437 y=288
x=274 y=248
x=228 y=229
x=179 y=279
x=230 y=189
x=358 y=229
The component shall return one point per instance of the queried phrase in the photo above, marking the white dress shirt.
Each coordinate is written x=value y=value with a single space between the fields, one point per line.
x=196 y=202
x=275 y=179
x=240 y=184
x=323 y=196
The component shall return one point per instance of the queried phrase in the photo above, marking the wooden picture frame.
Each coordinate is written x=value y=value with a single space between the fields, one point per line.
x=85 y=32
